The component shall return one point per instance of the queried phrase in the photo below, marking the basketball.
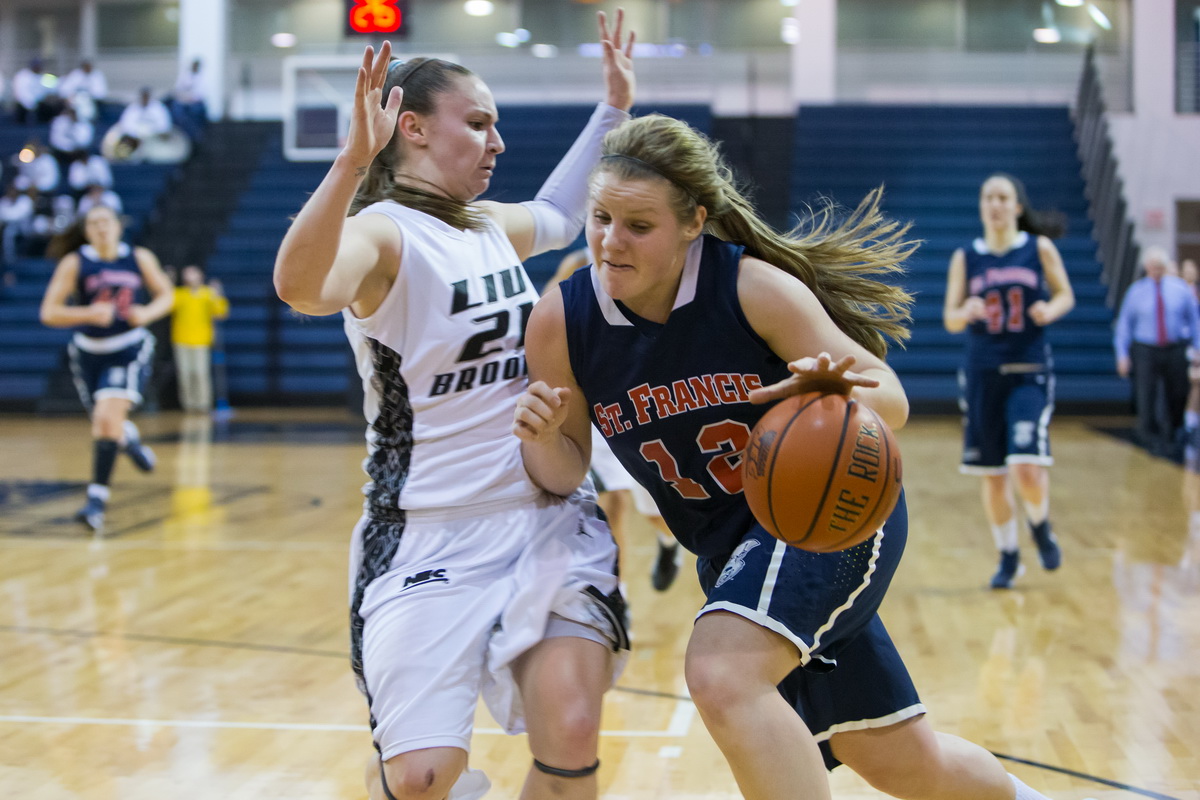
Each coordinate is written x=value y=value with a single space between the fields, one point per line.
x=821 y=472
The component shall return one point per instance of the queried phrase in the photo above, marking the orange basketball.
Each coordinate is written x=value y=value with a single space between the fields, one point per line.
x=821 y=472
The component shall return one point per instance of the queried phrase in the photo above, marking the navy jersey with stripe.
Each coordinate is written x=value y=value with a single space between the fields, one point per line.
x=1009 y=284
x=118 y=281
x=672 y=399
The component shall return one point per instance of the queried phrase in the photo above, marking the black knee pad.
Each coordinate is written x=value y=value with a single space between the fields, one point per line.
x=563 y=773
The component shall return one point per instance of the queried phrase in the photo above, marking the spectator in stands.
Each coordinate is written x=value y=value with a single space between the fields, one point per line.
x=141 y=120
x=36 y=167
x=33 y=97
x=85 y=87
x=70 y=137
x=1191 y=415
x=188 y=108
x=98 y=195
x=1158 y=321
x=197 y=307
x=16 y=217
x=87 y=170
x=1003 y=289
x=111 y=351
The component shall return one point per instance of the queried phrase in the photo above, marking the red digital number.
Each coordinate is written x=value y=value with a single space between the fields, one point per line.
x=375 y=16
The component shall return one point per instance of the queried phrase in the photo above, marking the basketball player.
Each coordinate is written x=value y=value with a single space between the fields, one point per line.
x=465 y=575
x=112 y=351
x=1004 y=289
x=706 y=325
x=617 y=487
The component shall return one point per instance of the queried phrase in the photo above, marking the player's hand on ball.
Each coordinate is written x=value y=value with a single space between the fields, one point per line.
x=820 y=374
x=540 y=412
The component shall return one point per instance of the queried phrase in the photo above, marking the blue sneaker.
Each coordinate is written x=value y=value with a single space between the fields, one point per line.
x=142 y=456
x=1047 y=545
x=92 y=514
x=1009 y=570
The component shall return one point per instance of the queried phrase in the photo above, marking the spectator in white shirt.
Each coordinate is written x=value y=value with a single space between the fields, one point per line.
x=84 y=81
x=188 y=107
x=70 y=136
x=40 y=170
x=86 y=170
x=97 y=195
x=32 y=95
x=16 y=214
x=142 y=119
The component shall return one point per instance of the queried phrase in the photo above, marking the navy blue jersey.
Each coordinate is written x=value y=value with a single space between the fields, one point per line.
x=118 y=281
x=1009 y=284
x=672 y=399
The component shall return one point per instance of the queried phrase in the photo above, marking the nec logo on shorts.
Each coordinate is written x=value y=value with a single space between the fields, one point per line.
x=426 y=576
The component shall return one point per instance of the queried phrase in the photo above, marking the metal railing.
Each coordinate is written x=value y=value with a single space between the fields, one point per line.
x=1117 y=248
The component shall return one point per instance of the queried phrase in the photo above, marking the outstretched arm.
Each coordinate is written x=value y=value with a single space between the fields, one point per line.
x=326 y=262
x=555 y=217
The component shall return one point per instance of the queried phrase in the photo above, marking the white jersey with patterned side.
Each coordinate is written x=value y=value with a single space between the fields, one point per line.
x=442 y=361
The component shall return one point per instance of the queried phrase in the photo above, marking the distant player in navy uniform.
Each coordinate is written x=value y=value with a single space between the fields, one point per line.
x=118 y=290
x=1004 y=289
x=694 y=315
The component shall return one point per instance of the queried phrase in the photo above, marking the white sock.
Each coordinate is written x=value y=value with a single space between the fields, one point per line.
x=1191 y=420
x=665 y=541
x=1005 y=535
x=1036 y=514
x=99 y=491
x=1024 y=792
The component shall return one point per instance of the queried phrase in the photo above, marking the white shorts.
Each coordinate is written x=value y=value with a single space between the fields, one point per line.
x=611 y=476
x=463 y=598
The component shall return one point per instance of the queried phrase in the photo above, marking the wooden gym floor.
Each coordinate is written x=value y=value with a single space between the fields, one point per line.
x=198 y=649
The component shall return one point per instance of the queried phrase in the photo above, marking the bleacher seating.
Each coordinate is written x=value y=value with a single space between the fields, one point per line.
x=932 y=161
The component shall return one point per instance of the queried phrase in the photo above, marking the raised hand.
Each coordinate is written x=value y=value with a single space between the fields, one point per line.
x=371 y=123
x=820 y=374
x=619 y=81
x=540 y=411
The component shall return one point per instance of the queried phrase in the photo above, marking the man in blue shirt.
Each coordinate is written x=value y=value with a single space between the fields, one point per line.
x=1159 y=320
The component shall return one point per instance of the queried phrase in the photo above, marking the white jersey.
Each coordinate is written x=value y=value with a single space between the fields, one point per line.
x=443 y=362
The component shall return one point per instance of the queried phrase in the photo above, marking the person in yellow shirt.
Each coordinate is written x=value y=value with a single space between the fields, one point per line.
x=197 y=306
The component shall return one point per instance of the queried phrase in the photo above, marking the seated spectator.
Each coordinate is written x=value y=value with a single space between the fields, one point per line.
x=86 y=88
x=141 y=120
x=87 y=170
x=16 y=217
x=97 y=195
x=70 y=136
x=188 y=107
x=32 y=95
x=36 y=168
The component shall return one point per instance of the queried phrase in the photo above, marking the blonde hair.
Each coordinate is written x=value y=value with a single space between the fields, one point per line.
x=424 y=80
x=835 y=255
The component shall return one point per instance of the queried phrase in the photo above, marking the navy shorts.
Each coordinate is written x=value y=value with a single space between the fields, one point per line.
x=1006 y=419
x=122 y=373
x=851 y=677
